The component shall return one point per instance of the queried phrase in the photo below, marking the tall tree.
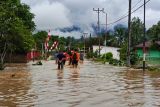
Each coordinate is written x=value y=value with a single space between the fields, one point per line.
x=120 y=33
x=26 y=16
x=40 y=38
x=154 y=32
x=15 y=35
x=136 y=31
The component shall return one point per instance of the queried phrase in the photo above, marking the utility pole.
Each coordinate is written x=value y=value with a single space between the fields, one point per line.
x=129 y=34
x=42 y=50
x=106 y=34
x=84 y=35
x=144 y=38
x=90 y=43
x=98 y=11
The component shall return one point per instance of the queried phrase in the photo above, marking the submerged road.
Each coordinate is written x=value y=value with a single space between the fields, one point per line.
x=90 y=85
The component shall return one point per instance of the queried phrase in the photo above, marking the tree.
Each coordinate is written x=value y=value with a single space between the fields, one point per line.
x=120 y=33
x=154 y=32
x=26 y=16
x=62 y=43
x=15 y=35
x=40 y=38
x=136 y=31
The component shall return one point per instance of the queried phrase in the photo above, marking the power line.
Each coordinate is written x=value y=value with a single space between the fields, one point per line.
x=127 y=14
x=131 y=8
x=136 y=4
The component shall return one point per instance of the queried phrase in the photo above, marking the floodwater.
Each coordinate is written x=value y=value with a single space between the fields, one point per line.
x=90 y=85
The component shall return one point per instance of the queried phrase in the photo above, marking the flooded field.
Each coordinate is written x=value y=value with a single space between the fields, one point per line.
x=90 y=85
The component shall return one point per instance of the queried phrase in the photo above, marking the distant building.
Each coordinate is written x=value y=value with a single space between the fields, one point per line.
x=152 y=50
x=106 y=49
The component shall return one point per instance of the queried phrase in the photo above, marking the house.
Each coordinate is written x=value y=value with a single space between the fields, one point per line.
x=106 y=49
x=151 y=52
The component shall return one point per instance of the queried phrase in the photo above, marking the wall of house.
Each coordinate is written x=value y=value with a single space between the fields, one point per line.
x=152 y=56
x=16 y=58
x=113 y=50
x=149 y=54
x=140 y=52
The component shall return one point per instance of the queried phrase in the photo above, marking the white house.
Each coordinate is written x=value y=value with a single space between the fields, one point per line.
x=106 y=49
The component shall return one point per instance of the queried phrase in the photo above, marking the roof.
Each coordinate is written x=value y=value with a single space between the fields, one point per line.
x=147 y=44
x=158 y=42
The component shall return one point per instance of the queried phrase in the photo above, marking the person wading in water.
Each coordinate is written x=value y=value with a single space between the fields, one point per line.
x=81 y=57
x=60 y=57
x=75 y=58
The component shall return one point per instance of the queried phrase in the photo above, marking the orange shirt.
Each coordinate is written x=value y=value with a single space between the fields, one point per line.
x=78 y=56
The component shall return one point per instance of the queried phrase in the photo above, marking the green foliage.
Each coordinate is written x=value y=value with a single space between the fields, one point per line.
x=92 y=55
x=15 y=28
x=123 y=52
x=154 y=32
x=134 y=58
x=133 y=55
x=120 y=33
x=28 y=43
x=116 y=62
x=113 y=61
x=62 y=43
x=40 y=38
x=24 y=14
x=155 y=46
x=136 y=31
x=107 y=56
x=15 y=31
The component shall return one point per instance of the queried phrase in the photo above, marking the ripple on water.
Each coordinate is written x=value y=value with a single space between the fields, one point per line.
x=90 y=85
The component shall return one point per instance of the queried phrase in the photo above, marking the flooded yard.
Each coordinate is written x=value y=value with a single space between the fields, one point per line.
x=90 y=85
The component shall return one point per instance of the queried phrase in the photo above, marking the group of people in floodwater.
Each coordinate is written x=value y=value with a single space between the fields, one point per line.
x=73 y=56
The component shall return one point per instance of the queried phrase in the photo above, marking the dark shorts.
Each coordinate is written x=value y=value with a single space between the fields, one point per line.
x=81 y=59
x=60 y=61
x=74 y=62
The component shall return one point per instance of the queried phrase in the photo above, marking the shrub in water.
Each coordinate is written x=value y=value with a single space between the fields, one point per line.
x=107 y=56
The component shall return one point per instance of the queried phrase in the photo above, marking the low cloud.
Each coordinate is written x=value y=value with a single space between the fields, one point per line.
x=51 y=16
x=59 y=14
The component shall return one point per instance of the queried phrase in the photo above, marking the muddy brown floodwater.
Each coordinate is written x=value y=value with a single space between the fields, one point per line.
x=90 y=85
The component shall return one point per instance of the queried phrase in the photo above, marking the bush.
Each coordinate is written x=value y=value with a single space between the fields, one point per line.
x=113 y=61
x=116 y=62
x=134 y=58
x=92 y=54
x=107 y=56
x=123 y=52
x=133 y=55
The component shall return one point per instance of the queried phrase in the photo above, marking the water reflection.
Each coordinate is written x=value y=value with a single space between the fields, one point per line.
x=60 y=77
x=133 y=92
x=75 y=74
x=89 y=85
x=139 y=89
x=14 y=86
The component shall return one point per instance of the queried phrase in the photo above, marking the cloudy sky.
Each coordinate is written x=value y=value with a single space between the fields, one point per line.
x=59 y=14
